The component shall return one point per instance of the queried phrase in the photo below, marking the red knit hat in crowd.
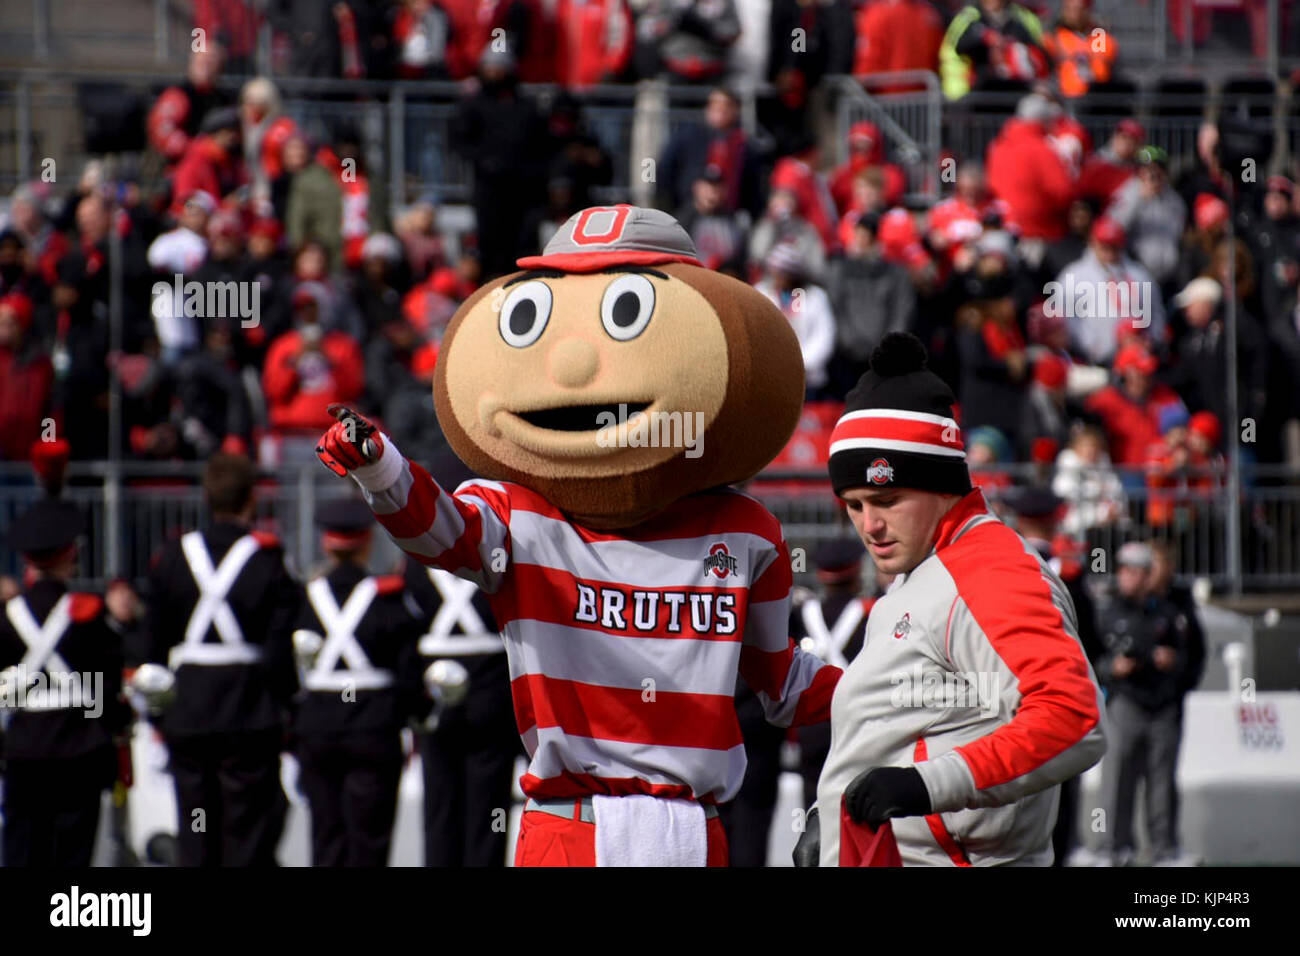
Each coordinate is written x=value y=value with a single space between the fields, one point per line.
x=1044 y=450
x=1135 y=357
x=21 y=306
x=1209 y=210
x=424 y=360
x=1108 y=232
x=1206 y=424
x=1132 y=129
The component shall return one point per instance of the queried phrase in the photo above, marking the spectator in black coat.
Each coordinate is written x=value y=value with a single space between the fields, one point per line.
x=719 y=233
x=1201 y=372
x=870 y=297
x=993 y=367
x=503 y=136
x=576 y=155
x=718 y=141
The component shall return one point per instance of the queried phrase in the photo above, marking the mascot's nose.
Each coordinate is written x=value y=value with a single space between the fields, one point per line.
x=573 y=363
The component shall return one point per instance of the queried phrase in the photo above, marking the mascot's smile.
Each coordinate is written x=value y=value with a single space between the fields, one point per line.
x=579 y=418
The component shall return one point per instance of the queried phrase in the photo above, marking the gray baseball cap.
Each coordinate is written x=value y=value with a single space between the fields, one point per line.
x=600 y=237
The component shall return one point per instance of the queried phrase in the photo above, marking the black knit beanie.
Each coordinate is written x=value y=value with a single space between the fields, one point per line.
x=897 y=429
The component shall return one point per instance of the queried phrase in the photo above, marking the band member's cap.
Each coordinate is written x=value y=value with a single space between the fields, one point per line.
x=346 y=523
x=838 y=560
x=1034 y=502
x=44 y=532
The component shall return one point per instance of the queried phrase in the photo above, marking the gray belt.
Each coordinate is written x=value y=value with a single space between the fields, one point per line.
x=564 y=808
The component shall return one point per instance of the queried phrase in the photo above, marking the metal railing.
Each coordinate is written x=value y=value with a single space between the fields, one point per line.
x=133 y=508
x=1171 y=119
x=1196 y=522
x=405 y=127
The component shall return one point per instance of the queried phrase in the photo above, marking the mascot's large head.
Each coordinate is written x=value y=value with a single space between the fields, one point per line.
x=616 y=374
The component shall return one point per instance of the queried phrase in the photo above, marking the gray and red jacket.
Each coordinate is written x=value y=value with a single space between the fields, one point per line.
x=971 y=671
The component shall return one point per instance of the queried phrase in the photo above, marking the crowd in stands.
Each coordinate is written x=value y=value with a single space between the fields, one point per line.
x=983 y=45
x=1073 y=293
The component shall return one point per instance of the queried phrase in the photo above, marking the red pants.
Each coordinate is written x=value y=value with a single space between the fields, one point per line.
x=548 y=840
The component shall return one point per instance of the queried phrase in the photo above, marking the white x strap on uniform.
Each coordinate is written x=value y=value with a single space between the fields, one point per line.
x=341 y=640
x=41 y=641
x=829 y=643
x=457 y=610
x=212 y=609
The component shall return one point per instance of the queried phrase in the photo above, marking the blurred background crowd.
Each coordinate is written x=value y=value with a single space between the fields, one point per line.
x=1127 y=407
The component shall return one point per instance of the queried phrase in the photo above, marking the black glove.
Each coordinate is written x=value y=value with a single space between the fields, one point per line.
x=882 y=793
x=808 y=851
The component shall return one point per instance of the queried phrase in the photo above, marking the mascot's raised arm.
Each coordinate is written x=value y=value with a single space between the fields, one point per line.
x=610 y=394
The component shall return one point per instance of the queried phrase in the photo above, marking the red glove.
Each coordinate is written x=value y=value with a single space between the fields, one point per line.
x=351 y=442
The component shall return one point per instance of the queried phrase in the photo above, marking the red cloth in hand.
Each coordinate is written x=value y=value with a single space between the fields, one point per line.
x=862 y=846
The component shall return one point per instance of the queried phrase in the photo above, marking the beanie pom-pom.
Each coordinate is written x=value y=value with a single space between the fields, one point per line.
x=899 y=353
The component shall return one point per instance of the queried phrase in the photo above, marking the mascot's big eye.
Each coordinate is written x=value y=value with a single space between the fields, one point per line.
x=525 y=313
x=627 y=306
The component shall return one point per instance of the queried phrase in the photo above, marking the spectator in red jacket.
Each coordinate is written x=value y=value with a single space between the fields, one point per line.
x=866 y=151
x=211 y=162
x=896 y=35
x=1112 y=165
x=1182 y=468
x=594 y=41
x=233 y=24
x=26 y=378
x=1130 y=412
x=306 y=369
x=1028 y=174
x=798 y=174
x=962 y=218
x=176 y=115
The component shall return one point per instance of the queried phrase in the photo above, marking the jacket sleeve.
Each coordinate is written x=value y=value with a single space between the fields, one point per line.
x=793 y=686
x=467 y=533
x=1014 y=620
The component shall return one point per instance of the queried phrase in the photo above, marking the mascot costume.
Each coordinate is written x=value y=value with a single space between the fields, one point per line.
x=610 y=394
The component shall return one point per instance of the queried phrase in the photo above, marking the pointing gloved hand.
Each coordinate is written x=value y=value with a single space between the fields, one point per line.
x=883 y=793
x=808 y=850
x=351 y=442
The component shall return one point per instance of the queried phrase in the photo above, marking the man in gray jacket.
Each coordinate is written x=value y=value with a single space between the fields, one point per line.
x=870 y=298
x=972 y=698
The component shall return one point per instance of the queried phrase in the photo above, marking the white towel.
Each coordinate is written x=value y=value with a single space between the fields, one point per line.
x=649 y=831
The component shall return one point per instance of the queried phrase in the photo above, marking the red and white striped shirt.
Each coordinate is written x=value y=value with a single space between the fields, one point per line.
x=623 y=647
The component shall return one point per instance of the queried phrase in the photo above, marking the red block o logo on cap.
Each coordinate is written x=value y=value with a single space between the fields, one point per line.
x=582 y=235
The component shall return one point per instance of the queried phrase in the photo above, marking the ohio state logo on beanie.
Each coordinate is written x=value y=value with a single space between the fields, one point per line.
x=880 y=472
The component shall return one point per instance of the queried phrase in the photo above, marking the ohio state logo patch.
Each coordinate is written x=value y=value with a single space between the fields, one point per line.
x=880 y=472
x=903 y=627
x=720 y=562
